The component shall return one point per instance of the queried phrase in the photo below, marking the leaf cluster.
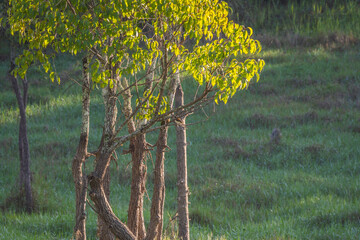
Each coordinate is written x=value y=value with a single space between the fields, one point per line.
x=127 y=35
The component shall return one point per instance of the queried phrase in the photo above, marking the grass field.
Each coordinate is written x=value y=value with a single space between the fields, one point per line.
x=242 y=185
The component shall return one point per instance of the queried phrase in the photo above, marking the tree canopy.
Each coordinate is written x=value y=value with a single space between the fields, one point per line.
x=129 y=34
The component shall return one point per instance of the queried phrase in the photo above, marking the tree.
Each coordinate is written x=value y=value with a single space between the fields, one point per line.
x=21 y=97
x=125 y=38
x=183 y=190
x=80 y=180
x=24 y=152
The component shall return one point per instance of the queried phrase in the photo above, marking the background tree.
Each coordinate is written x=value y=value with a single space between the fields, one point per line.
x=21 y=93
x=114 y=32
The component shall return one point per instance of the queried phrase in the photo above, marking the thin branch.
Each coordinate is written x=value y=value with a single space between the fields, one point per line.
x=71 y=7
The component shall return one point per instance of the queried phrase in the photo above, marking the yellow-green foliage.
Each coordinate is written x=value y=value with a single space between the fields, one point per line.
x=113 y=31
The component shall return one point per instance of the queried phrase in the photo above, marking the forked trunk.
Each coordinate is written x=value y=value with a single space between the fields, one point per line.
x=80 y=157
x=183 y=192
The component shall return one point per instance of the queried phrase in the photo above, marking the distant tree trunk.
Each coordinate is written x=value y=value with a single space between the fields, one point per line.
x=80 y=157
x=183 y=192
x=24 y=152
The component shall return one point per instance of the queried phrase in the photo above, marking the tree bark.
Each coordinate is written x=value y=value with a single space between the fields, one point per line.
x=138 y=177
x=183 y=192
x=158 y=198
x=103 y=208
x=24 y=152
x=104 y=232
x=138 y=180
x=138 y=149
x=109 y=96
x=80 y=157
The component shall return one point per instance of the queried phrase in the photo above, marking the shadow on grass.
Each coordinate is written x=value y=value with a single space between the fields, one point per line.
x=326 y=220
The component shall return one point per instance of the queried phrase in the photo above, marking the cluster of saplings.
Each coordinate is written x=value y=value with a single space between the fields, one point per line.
x=135 y=51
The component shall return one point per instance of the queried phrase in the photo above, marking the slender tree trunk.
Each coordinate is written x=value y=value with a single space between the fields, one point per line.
x=80 y=157
x=157 y=203
x=183 y=192
x=109 y=96
x=138 y=180
x=158 y=198
x=138 y=177
x=24 y=152
x=138 y=147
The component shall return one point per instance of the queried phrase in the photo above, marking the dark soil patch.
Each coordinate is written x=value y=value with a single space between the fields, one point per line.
x=4 y=57
x=234 y=149
x=201 y=217
x=334 y=219
x=300 y=83
x=17 y=201
x=263 y=89
x=259 y=120
x=51 y=149
x=355 y=129
x=332 y=41
x=6 y=143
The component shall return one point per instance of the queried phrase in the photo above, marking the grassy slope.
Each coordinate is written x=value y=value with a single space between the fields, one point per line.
x=242 y=187
x=307 y=187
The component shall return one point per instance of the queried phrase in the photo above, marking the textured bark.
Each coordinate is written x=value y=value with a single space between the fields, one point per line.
x=104 y=211
x=138 y=177
x=105 y=154
x=136 y=221
x=80 y=157
x=104 y=232
x=158 y=198
x=157 y=203
x=138 y=180
x=24 y=152
x=183 y=192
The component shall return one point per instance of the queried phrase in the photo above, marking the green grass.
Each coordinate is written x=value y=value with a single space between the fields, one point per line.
x=312 y=17
x=242 y=186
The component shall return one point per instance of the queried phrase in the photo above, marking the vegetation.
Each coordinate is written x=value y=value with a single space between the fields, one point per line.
x=305 y=187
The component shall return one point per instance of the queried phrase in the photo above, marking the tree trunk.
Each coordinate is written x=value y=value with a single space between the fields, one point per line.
x=109 y=96
x=138 y=177
x=158 y=198
x=183 y=192
x=138 y=180
x=104 y=232
x=103 y=208
x=24 y=152
x=80 y=157
x=138 y=146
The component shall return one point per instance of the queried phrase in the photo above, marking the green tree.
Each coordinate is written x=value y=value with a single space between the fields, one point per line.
x=20 y=87
x=138 y=47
